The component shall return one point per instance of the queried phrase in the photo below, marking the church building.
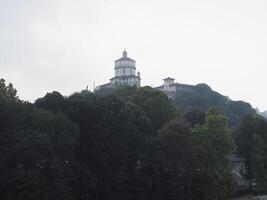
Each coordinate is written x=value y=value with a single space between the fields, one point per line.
x=170 y=88
x=125 y=73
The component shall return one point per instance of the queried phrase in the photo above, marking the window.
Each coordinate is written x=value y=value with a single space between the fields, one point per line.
x=123 y=71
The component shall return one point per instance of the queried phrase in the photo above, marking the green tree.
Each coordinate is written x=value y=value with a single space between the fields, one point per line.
x=203 y=97
x=156 y=105
x=38 y=160
x=114 y=138
x=52 y=101
x=176 y=160
x=7 y=92
x=251 y=140
x=36 y=150
x=213 y=144
x=194 y=116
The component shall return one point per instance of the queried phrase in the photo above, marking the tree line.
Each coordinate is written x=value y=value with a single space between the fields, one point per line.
x=203 y=97
x=131 y=144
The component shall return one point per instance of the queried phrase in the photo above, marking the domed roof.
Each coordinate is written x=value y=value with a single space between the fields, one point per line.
x=124 y=56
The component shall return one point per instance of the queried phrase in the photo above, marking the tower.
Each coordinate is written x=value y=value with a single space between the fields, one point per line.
x=125 y=72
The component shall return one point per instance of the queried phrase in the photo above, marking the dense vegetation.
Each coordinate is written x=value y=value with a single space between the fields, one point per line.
x=130 y=144
x=203 y=97
x=251 y=139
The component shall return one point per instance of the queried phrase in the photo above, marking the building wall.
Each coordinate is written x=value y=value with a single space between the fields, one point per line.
x=167 y=85
x=125 y=71
x=125 y=68
x=126 y=81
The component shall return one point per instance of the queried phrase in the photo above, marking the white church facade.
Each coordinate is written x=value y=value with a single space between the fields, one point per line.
x=125 y=73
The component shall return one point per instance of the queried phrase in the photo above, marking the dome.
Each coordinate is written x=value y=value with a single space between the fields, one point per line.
x=125 y=57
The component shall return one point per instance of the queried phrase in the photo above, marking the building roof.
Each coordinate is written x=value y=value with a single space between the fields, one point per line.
x=124 y=57
x=166 y=79
x=106 y=85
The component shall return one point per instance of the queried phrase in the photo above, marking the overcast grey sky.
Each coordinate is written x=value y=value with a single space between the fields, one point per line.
x=64 y=45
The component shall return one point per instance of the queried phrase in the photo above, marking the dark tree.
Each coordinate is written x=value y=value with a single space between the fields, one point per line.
x=251 y=140
x=52 y=101
x=194 y=116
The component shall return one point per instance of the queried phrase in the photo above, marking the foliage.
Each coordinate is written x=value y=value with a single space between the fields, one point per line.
x=156 y=105
x=118 y=130
x=194 y=116
x=36 y=151
x=192 y=164
x=176 y=157
x=251 y=140
x=203 y=97
x=129 y=143
x=51 y=101
x=214 y=143
x=7 y=92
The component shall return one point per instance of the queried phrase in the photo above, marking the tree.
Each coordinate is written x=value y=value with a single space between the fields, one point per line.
x=251 y=140
x=36 y=150
x=51 y=101
x=114 y=139
x=176 y=160
x=203 y=97
x=125 y=144
x=194 y=116
x=213 y=144
x=156 y=105
x=7 y=92
x=37 y=161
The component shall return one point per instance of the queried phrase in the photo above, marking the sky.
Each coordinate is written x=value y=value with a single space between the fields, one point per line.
x=66 y=45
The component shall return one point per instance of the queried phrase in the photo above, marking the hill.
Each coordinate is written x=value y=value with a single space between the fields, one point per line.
x=263 y=114
x=203 y=97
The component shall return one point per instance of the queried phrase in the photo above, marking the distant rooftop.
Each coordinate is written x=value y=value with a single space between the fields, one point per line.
x=169 y=78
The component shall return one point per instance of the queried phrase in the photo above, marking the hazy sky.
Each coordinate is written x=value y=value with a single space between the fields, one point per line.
x=64 y=45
